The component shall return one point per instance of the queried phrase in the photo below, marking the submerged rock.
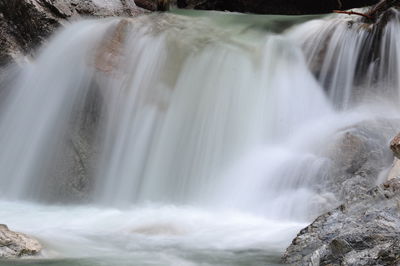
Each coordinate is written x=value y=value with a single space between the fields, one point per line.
x=13 y=244
x=362 y=231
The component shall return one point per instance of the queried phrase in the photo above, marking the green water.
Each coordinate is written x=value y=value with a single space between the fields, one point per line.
x=272 y=23
x=250 y=258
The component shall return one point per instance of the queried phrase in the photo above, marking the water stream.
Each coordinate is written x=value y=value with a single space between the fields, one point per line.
x=187 y=138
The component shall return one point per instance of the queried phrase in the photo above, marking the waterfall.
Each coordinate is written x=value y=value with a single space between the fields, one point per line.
x=171 y=140
x=353 y=60
x=189 y=111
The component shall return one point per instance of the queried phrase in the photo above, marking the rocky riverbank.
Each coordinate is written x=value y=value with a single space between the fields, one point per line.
x=362 y=231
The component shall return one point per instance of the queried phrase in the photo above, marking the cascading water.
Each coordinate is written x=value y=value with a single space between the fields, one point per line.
x=195 y=139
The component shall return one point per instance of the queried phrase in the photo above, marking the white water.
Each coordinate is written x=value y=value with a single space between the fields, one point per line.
x=211 y=139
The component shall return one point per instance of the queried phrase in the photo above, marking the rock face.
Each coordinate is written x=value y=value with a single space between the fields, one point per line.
x=14 y=245
x=25 y=24
x=290 y=7
x=358 y=154
x=363 y=231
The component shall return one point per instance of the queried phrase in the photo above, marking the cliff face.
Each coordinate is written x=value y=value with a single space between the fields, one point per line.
x=25 y=24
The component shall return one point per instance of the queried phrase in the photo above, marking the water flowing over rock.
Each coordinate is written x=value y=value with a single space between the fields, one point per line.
x=359 y=153
x=350 y=56
x=275 y=6
x=362 y=231
x=395 y=146
x=27 y=24
x=14 y=245
x=198 y=110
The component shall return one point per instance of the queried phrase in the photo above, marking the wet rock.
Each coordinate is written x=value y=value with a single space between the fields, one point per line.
x=26 y=24
x=109 y=53
x=290 y=7
x=358 y=154
x=13 y=244
x=395 y=146
x=362 y=231
x=395 y=169
x=71 y=176
x=156 y=5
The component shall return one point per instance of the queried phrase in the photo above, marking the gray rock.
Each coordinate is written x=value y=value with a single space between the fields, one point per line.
x=14 y=245
x=395 y=146
x=274 y=6
x=362 y=231
x=26 y=24
x=357 y=154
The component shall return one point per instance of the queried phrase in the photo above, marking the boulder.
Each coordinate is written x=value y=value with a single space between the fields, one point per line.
x=362 y=231
x=14 y=245
x=26 y=24
x=358 y=155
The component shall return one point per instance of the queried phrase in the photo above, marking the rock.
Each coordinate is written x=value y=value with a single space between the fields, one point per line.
x=26 y=24
x=289 y=7
x=71 y=175
x=358 y=154
x=362 y=231
x=14 y=245
x=154 y=5
x=395 y=170
x=109 y=53
x=395 y=146
x=163 y=5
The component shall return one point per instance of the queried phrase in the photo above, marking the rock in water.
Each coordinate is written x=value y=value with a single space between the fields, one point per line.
x=13 y=244
x=288 y=7
x=395 y=146
x=358 y=154
x=364 y=231
x=26 y=24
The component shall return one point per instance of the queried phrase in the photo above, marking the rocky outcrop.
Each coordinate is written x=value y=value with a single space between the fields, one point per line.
x=26 y=24
x=290 y=7
x=357 y=154
x=363 y=231
x=14 y=245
